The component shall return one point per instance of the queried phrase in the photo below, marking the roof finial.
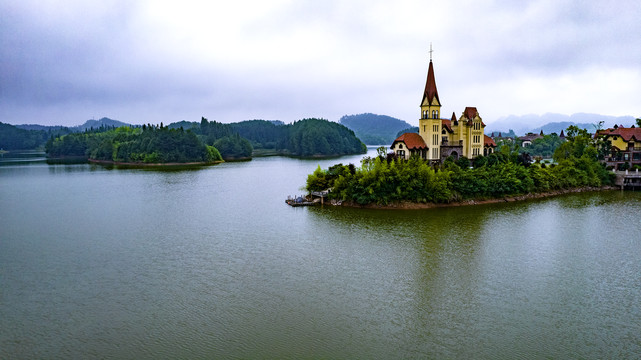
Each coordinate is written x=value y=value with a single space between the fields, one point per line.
x=431 y=51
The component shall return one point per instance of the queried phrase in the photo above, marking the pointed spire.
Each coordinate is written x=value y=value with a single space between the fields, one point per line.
x=430 y=87
x=541 y=132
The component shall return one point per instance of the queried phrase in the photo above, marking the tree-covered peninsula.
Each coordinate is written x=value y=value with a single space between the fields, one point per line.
x=386 y=180
x=206 y=141
x=144 y=145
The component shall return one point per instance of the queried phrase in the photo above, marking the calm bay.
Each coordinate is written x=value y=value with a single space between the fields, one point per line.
x=211 y=263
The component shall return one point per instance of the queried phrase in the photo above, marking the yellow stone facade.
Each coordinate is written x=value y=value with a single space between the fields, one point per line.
x=464 y=136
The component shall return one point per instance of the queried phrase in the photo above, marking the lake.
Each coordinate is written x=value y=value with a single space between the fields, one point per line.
x=211 y=263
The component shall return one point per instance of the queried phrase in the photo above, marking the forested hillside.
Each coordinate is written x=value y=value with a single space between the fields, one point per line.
x=307 y=137
x=413 y=129
x=374 y=129
x=14 y=138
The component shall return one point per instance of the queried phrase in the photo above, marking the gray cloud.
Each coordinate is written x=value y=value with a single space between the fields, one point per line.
x=140 y=62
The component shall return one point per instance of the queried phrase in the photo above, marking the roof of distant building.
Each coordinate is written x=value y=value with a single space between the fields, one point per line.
x=530 y=137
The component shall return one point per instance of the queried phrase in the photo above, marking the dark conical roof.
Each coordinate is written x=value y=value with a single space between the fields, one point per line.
x=430 y=86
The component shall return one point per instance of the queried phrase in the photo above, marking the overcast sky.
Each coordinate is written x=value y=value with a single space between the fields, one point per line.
x=63 y=62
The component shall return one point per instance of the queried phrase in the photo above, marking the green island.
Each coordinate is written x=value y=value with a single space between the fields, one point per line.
x=192 y=143
x=389 y=181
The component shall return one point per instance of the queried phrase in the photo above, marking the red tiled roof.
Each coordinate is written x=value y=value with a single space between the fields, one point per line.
x=430 y=86
x=411 y=140
x=489 y=141
x=627 y=134
x=447 y=124
x=470 y=112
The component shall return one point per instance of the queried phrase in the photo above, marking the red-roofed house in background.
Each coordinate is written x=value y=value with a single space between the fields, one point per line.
x=527 y=139
x=626 y=146
x=444 y=137
x=409 y=144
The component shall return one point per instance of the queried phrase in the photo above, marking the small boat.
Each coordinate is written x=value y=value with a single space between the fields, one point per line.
x=299 y=201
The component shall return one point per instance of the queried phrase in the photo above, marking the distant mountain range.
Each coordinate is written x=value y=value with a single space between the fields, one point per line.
x=105 y=121
x=551 y=122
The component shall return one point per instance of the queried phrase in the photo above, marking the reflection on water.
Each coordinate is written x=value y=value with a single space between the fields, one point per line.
x=22 y=157
x=212 y=264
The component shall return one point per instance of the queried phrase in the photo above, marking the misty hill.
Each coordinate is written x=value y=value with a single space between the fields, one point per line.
x=374 y=129
x=551 y=122
x=36 y=127
x=105 y=121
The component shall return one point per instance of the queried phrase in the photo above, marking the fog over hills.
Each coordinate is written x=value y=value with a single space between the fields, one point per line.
x=551 y=122
x=105 y=121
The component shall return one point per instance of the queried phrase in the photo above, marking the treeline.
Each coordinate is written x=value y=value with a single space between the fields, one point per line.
x=149 y=144
x=384 y=180
x=225 y=139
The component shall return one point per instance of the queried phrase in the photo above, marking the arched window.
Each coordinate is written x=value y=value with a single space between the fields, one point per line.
x=434 y=114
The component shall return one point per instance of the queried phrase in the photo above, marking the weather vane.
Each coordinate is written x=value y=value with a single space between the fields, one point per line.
x=431 y=51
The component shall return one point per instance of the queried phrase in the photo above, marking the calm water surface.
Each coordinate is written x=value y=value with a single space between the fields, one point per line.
x=210 y=263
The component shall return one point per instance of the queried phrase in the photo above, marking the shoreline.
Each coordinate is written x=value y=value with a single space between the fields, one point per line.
x=141 y=164
x=408 y=205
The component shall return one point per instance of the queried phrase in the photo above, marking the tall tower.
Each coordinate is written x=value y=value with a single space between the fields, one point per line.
x=429 y=125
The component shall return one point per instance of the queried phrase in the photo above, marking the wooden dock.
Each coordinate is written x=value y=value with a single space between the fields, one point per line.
x=628 y=179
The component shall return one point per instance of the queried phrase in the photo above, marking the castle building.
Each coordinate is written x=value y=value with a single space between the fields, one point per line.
x=439 y=138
